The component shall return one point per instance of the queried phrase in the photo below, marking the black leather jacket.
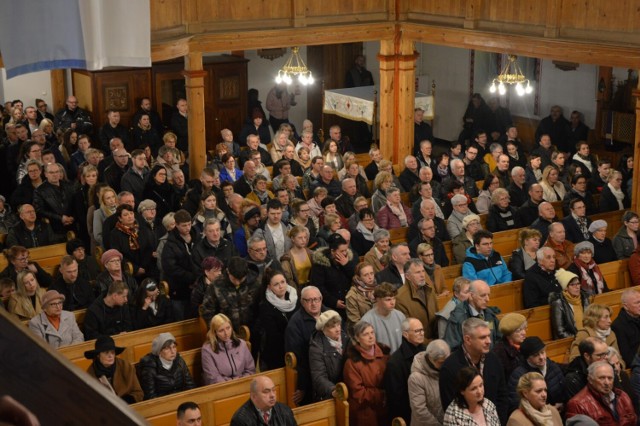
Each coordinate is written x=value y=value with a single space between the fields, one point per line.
x=54 y=201
x=156 y=380
x=562 y=322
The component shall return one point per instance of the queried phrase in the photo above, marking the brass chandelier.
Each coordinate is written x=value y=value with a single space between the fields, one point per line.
x=294 y=66
x=511 y=74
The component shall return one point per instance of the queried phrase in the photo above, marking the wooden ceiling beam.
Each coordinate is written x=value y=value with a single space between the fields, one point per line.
x=582 y=52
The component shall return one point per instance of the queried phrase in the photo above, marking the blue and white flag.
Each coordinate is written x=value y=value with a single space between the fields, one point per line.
x=38 y=35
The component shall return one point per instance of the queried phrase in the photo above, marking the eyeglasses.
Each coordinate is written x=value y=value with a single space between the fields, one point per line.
x=418 y=331
x=312 y=300
x=22 y=259
x=601 y=355
x=633 y=222
x=55 y=304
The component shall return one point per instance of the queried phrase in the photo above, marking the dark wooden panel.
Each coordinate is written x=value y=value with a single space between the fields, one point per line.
x=56 y=391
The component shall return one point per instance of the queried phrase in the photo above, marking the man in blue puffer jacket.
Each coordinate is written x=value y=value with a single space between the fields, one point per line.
x=483 y=263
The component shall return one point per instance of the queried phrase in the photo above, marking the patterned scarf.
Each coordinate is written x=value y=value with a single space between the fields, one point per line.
x=366 y=291
x=589 y=272
x=398 y=211
x=582 y=224
x=132 y=232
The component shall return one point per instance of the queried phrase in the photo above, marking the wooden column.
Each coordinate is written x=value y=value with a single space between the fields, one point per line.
x=397 y=97
x=635 y=192
x=194 y=83
x=58 y=90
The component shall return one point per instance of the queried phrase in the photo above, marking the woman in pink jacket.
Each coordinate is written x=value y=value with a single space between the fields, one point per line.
x=225 y=356
x=394 y=214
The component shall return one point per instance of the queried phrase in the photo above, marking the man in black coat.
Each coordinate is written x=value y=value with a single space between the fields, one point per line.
x=518 y=187
x=627 y=325
x=540 y=280
x=298 y=335
x=112 y=129
x=109 y=315
x=53 y=199
x=177 y=266
x=591 y=349
x=427 y=235
x=399 y=368
x=212 y=244
x=30 y=231
x=556 y=126
x=546 y=216
x=345 y=201
x=73 y=285
x=180 y=126
x=528 y=212
x=409 y=177
x=262 y=407
x=476 y=352
x=576 y=224
x=400 y=254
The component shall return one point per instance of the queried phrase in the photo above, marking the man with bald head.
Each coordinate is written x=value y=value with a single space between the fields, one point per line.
x=410 y=175
x=263 y=407
x=546 y=216
x=528 y=212
x=327 y=180
x=477 y=306
x=345 y=202
x=562 y=247
x=73 y=117
x=244 y=185
x=540 y=279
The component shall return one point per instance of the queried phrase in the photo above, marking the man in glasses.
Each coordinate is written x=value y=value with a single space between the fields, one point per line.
x=592 y=349
x=297 y=337
x=399 y=368
x=73 y=117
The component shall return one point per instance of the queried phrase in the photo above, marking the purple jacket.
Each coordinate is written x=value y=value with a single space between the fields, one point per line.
x=228 y=364
x=387 y=220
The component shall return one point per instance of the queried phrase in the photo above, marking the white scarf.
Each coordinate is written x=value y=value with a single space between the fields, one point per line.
x=283 y=305
x=368 y=235
x=335 y=344
x=618 y=194
x=603 y=334
x=542 y=417
x=398 y=211
x=583 y=160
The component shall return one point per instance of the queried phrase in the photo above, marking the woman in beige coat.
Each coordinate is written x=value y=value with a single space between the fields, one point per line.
x=424 y=391
x=25 y=302
x=597 y=323
x=533 y=403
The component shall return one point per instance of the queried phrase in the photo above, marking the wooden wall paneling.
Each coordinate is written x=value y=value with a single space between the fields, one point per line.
x=58 y=90
x=166 y=14
x=82 y=88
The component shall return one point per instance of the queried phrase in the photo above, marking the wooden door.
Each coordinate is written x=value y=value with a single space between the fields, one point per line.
x=225 y=97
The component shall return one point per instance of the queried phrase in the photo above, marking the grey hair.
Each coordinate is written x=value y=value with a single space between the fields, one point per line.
x=499 y=192
x=308 y=288
x=438 y=349
x=347 y=180
x=593 y=367
x=614 y=351
x=423 y=205
x=393 y=248
x=412 y=261
x=380 y=234
x=407 y=158
x=515 y=170
x=626 y=295
x=211 y=221
x=540 y=253
x=455 y=161
x=392 y=190
x=471 y=324
x=406 y=324
x=360 y=327
x=460 y=282
x=494 y=147
x=542 y=204
x=255 y=239
x=552 y=225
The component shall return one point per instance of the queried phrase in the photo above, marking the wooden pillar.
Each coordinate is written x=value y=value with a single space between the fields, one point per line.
x=635 y=192
x=194 y=83
x=58 y=89
x=397 y=97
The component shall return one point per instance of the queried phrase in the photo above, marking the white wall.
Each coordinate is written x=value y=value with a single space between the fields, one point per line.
x=26 y=87
x=262 y=73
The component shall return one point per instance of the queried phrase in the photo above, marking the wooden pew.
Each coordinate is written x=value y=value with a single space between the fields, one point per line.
x=331 y=412
x=48 y=257
x=138 y=343
x=558 y=350
x=616 y=274
x=217 y=402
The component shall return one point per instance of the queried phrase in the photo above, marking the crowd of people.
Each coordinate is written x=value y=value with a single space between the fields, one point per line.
x=290 y=238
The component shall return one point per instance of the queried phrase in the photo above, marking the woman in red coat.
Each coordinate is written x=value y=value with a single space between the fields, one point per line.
x=394 y=214
x=363 y=374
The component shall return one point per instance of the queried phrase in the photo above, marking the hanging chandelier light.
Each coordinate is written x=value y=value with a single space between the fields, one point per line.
x=511 y=74
x=294 y=66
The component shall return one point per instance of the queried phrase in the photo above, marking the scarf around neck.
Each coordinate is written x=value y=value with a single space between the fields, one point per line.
x=365 y=290
x=398 y=211
x=537 y=417
x=368 y=235
x=132 y=233
x=587 y=279
x=288 y=304
x=575 y=303
x=618 y=194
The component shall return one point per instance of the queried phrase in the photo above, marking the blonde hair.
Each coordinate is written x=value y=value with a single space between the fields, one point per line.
x=216 y=322
x=526 y=382
x=20 y=289
x=381 y=177
x=330 y=219
x=593 y=313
